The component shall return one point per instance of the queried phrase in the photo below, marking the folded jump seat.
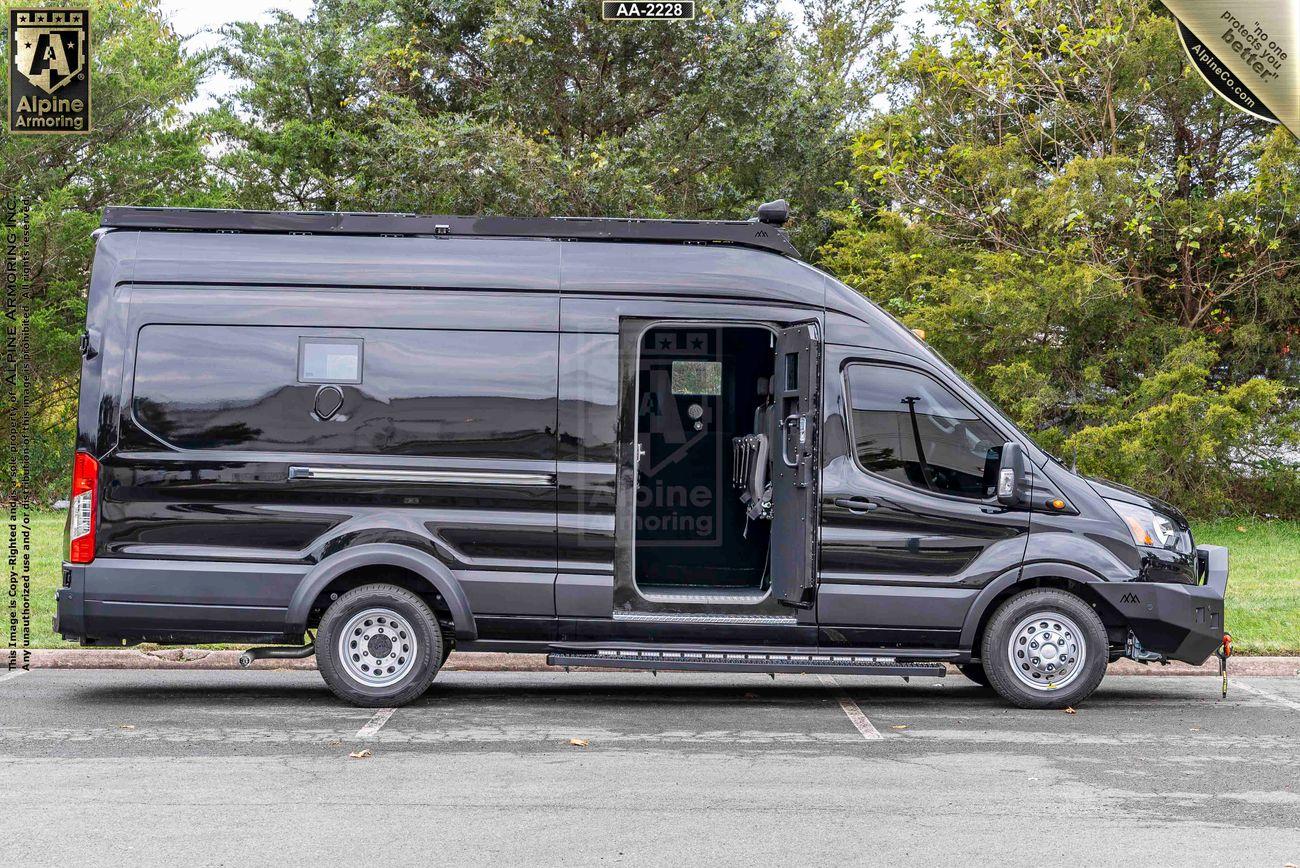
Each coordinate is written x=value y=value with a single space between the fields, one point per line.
x=750 y=459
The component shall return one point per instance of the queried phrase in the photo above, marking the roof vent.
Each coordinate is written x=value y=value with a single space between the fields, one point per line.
x=775 y=213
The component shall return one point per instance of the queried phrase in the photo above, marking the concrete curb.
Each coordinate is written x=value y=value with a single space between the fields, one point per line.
x=1237 y=667
x=194 y=658
x=197 y=658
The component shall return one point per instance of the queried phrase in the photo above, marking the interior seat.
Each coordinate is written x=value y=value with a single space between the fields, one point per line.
x=751 y=457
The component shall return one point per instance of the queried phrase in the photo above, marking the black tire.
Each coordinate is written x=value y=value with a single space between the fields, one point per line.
x=411 y=611
x=1014 y=621
x=975 y=672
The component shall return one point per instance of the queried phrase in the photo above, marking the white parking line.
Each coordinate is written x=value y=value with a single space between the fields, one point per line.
x=855 y=715
x=375 y=723
x=1266 y=694
x=9 y=676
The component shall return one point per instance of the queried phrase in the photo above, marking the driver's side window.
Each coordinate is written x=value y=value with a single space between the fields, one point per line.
x=908 y=427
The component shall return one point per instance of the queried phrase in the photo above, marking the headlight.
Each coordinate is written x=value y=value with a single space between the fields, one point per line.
x=1150 y=528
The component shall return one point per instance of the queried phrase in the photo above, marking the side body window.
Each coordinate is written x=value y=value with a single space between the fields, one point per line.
x=422 y=392
x=913 y=430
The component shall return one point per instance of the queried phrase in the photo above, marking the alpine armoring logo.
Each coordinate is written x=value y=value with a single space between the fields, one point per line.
x=49 y=71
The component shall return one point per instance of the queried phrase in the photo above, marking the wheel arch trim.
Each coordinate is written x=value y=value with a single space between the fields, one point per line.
x=434 y=572
x=1010 y=579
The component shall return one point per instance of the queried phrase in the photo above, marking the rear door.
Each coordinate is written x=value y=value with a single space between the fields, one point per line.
x=794 y=463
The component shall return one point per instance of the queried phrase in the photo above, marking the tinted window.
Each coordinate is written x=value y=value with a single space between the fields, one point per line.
x=443 y=393
x=697 y=378
x=329 y=360
x=911 y=429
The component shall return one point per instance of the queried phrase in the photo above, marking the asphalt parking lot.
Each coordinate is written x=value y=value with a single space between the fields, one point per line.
x=236 y=768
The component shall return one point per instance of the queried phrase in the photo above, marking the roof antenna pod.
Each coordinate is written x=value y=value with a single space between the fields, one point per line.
x=774 y=213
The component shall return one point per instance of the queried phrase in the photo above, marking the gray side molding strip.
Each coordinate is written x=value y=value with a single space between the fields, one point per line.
x=434 y=477
x=702 y=618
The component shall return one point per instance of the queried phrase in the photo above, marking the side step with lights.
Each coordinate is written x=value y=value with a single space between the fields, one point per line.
x=811 y=662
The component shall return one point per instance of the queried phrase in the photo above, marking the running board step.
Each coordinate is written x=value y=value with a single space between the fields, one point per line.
x=721 y=661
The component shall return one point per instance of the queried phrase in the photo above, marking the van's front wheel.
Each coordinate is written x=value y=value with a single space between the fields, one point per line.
x=1045 y=648
x=379 y=646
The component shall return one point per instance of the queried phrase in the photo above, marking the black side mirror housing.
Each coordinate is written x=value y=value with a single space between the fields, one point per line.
x=1011 y=474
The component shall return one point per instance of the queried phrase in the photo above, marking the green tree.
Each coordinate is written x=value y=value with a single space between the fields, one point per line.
x=539 y=107
x=142 y=151
x=1105 y=245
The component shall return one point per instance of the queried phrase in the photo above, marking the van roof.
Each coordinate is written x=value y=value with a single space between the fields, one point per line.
x=763 y=232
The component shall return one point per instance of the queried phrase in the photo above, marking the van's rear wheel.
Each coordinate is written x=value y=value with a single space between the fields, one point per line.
x=379 y=646
x=1045 y=649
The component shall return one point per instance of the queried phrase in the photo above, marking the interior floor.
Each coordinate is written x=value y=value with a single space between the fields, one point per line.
x=698 y=388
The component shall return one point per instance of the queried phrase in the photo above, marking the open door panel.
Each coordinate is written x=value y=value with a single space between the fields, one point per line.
x=794 y=463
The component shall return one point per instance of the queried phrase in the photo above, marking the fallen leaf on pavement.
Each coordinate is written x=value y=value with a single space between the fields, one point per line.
x=1070 y=710
x=361 y=754
x=899 y=726
x=335 y=743
x=578 y=742
x=126 y=726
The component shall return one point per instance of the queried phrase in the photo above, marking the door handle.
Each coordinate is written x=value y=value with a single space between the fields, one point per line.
x=788 y=426
x=856 y=504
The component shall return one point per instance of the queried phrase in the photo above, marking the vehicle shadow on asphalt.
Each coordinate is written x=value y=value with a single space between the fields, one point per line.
x=445 y=692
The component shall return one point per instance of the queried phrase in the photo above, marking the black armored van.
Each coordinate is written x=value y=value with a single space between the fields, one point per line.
x=640 y=444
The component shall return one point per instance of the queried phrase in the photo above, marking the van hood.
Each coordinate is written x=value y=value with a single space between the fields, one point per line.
x=1116 y=491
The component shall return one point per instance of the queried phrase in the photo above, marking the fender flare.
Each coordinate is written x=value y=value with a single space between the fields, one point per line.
x=433 y=571
x=1044 y=569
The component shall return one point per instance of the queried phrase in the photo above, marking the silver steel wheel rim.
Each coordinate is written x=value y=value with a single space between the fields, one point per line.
x=377 y=647
x=1047 y=651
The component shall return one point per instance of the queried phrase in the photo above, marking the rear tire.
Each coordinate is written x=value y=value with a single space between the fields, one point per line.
x=1045 y=648
x=379 y=646
x=975 y=672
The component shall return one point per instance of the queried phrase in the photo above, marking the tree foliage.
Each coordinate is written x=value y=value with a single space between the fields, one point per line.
x=141 y=150
x=539 y=107
x=1081 y=226
x=1099 y=241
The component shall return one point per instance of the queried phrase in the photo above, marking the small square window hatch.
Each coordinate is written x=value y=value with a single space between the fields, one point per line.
x=697 y=378
x=329 y=360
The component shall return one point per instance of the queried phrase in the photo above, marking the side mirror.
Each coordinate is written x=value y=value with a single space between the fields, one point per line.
x=1011 y=474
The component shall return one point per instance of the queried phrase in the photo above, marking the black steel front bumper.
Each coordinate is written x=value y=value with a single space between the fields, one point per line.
x=1182 y=622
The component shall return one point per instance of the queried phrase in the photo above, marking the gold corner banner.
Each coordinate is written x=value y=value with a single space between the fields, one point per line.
x=1248 y=51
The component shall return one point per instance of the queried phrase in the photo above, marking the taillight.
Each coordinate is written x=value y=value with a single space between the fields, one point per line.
x=85 y=498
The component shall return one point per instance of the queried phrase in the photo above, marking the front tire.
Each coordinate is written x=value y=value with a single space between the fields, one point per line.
x=379 y=646
x=1045 y=648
